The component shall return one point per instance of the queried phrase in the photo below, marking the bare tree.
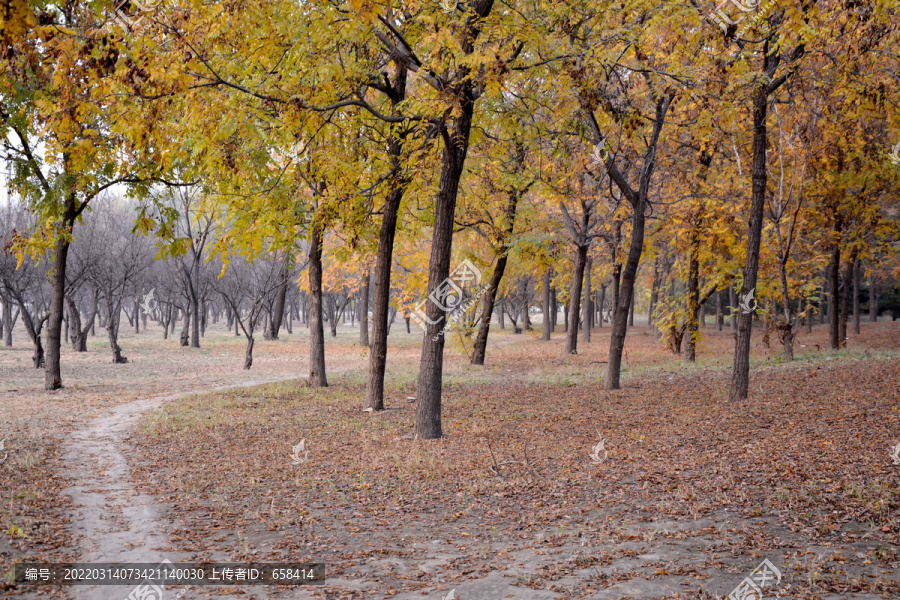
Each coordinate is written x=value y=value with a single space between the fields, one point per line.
x=247 y=287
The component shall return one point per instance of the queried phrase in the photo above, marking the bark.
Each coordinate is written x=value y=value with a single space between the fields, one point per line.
x=33 y=330
x=786 y=327
x=194 y=299
x=53 y=372
x=487 y=310
x=625 y=295
x=548 y=320
x=112 y=330
x=7 y=323
x=631 y=310
x=431 y=367
x=602 y=303
x=874 y=293
x=856 y=277
x=364 y=309
x=280 y=298
x=490 y=295
x=571 y=346
x=845 y=300
x=834 y=334
x=186 y=329
x=693 y=300
x=554 y=309
x=638 y=200
x=616 y=289
x=317 y=376
x=381 y=302
x=732 y=306
x=588 y=304
x=740 y=376
x=248 y=353
x=720 y=316
x=654 y=292
x=79 y=334
x=809 y=314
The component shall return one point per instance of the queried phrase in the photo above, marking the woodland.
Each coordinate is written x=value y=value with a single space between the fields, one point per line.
x=708 y=191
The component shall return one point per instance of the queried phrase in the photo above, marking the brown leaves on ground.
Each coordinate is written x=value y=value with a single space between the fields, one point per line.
x=804 y=463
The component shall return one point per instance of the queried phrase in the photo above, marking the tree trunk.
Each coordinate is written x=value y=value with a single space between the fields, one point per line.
x=809 y=314
x=873 y=297
x=720 y=316
x=381 y=302
x=856 y=276
x=631 y=310
x=554 y=309
x=740 y=375
x=845 y=300
x=834 y=317
x=364 y=309
x=548 y=320
x=616 y=290
x=786 y=328
x=431 y=367
x=381 y=307
x=732 y=306
x=112 y=330
x=7 y=323
x=588 y=304
x=248 y=353
x=487 y=310
x=195 y=302
x=186 y=328
x=654 y=292
x=73 y=322
x=317 y=376
x=53 y=372
x=693 y=301
x=80 y=334
x=625 y=293
x=602 y=303
x=280 y=298
x=571 y=346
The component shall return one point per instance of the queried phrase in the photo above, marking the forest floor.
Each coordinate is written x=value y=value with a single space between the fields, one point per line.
x=694 y=494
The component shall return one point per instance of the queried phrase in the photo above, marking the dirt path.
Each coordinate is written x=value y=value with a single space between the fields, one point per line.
x=114 y=522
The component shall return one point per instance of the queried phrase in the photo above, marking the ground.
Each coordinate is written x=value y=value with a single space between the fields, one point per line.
x=694 y=492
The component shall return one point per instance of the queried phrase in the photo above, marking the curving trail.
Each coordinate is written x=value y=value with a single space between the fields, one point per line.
x=112 y=520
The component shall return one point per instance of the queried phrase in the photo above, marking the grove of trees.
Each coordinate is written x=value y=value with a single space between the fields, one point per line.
x=272 y=162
